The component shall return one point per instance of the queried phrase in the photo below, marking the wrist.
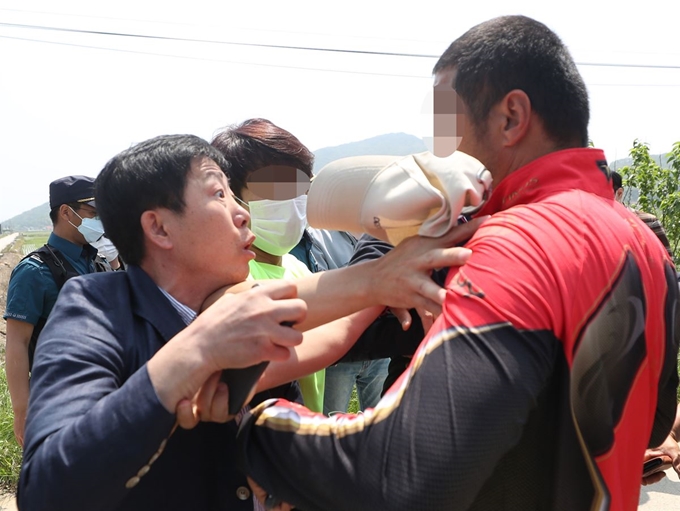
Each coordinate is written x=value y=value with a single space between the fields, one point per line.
x=177 y=371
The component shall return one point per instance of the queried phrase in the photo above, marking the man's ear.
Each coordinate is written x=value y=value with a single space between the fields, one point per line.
x=516 y=112
x=64 y=212
x=154 y=229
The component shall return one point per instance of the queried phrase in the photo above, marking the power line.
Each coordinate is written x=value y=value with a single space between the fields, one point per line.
x=212 y=41
x=279 y=46
x=205 y=59
x=200 y=26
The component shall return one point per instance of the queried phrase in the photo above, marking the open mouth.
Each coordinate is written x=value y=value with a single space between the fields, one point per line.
x=249 y=243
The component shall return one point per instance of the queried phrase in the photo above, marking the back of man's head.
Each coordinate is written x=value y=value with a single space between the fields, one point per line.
x=149 y=175
x=516 y=52
x=617 y=185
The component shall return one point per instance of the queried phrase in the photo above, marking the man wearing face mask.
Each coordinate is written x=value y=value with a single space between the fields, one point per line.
x=35 y=282
x=269 y=174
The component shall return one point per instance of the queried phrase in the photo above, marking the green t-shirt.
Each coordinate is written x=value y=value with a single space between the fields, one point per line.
x=312 y=386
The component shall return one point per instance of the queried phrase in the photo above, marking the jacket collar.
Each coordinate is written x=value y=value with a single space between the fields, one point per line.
x=71 y=250
x=571 y=169
x=150 y=304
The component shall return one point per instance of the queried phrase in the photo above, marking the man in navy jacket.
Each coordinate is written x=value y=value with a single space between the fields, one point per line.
x=125 y=357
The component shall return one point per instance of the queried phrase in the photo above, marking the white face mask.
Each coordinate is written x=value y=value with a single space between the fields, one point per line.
x=91 y=228
x=278 y=224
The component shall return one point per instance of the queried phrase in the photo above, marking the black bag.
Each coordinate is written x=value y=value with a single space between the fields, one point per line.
x=61 y=271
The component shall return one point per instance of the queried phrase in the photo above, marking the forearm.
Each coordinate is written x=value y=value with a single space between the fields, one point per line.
x=337 y=293
x=178 y=370
x=425 y=470
x=675 y=431
x=321 y=347
x=16 y=368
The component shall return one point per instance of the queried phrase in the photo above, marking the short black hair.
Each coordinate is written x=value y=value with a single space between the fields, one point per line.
x=149 y=175
x=516 y=52
x=54 y=212
x=258 y=143
x=617 y=182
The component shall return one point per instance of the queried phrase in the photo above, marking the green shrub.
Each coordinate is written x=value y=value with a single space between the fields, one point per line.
x=10 y=451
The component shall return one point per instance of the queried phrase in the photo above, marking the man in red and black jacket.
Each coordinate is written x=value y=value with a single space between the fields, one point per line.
x=553 y=364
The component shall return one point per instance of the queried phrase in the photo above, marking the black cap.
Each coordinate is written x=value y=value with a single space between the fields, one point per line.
x=72 y=189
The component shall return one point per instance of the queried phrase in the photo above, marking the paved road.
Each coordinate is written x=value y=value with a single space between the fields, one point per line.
x=662 y=496
x=7 y=240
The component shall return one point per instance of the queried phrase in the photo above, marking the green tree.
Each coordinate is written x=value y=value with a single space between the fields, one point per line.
x=658 y=188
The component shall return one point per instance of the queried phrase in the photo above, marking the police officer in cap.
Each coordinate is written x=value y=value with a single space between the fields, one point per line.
x=35 y=282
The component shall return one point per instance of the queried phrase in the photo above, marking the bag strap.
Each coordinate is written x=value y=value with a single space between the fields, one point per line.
x=60 y=268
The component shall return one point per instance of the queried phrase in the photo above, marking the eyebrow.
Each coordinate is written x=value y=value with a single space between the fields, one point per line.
x=216 y=174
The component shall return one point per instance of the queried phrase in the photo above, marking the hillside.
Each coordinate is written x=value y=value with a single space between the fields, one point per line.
x=36 y=219
x=659 y=158
x=396 y=144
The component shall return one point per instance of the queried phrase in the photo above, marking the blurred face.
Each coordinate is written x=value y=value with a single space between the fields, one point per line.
x=447 y=133
x=278 y=223
x=455 y=129
x=276 y=182
x=210 y=237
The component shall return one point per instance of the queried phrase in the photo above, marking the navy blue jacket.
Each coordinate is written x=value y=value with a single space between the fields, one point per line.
x=97 y=437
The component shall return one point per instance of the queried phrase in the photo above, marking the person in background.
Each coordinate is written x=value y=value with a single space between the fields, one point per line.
x=669 y=450
x=650 y=220
x=320 y=250
x=37 y=279
x=269 y=173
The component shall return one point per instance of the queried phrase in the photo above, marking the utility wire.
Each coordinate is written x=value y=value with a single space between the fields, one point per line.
x=212 y=41
x=299 y=48
x=249 y=29
x=206 y=59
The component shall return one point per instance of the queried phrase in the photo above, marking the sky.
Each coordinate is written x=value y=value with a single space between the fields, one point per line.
x=80 y=81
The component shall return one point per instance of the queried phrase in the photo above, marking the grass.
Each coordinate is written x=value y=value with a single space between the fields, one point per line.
x=10 y=452
x=29 y=241
x=353 y=402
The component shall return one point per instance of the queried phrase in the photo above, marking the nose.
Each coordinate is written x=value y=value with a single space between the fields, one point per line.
x=242 y=217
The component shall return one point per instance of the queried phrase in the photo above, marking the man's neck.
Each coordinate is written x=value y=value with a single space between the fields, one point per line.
x=184 y=288
x=264 y=257
x=69 y=233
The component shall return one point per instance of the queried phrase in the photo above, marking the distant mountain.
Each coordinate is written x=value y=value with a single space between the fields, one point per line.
x=36 y=219
x=396 y=144
x=658 y=158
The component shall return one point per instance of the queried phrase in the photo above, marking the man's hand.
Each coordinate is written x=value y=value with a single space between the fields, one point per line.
x=236 y=331
x=405 y=319
x=248 y=328
x=670 y=449
x=401 y=278
x=270 y=504
x=210 y=404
